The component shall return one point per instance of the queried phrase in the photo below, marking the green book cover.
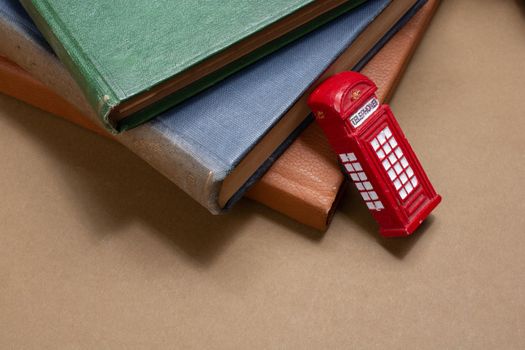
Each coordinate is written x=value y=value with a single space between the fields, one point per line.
x=135 y=59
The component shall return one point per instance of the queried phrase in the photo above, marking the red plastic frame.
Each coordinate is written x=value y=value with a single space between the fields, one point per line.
x=374 y=152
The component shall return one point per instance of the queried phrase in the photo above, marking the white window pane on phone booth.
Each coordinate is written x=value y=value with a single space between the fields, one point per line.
x=381 y=138
x=392 y=158
x=399 y=153
x=398 y=168
x=392 y=174
x=375 y=144
x=393 y=142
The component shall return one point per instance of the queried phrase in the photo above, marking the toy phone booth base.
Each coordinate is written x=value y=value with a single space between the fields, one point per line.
x=374 y=153
x=414 y=223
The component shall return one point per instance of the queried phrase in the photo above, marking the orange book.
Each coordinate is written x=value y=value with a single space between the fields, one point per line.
x=305 y=182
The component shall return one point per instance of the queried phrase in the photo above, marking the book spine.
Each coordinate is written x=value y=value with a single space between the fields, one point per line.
x=99 y=94
x=185 y=164
x=17 y=83
x=20 y=46
x=198 y=176
x=194 y=172
x=173 y=159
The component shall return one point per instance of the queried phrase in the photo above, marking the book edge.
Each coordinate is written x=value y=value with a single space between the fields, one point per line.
x=99 y=93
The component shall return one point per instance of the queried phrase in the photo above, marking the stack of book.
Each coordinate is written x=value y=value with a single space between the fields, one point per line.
x=211 y=94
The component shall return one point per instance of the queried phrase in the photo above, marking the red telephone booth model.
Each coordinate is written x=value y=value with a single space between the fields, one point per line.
x=374 y=152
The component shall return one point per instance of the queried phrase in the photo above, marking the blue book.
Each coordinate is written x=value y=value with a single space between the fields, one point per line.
x=215 y=145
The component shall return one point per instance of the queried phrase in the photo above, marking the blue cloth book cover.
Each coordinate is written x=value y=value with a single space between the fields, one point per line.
x=201 y=143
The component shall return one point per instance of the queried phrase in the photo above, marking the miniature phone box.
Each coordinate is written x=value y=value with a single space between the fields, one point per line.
x=374 y=152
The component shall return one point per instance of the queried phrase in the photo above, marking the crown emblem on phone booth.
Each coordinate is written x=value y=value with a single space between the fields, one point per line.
x=374 y=153
x=356 y=94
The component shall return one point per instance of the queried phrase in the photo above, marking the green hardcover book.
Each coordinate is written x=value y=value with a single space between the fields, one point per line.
x=135 y=58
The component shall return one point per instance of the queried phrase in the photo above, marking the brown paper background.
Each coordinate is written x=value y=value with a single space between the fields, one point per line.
x=98 y=251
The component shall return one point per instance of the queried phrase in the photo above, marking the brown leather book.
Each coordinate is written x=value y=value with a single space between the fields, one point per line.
x=305 y=182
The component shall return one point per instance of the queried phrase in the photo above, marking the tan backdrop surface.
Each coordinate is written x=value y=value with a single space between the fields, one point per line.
x=98 y=251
